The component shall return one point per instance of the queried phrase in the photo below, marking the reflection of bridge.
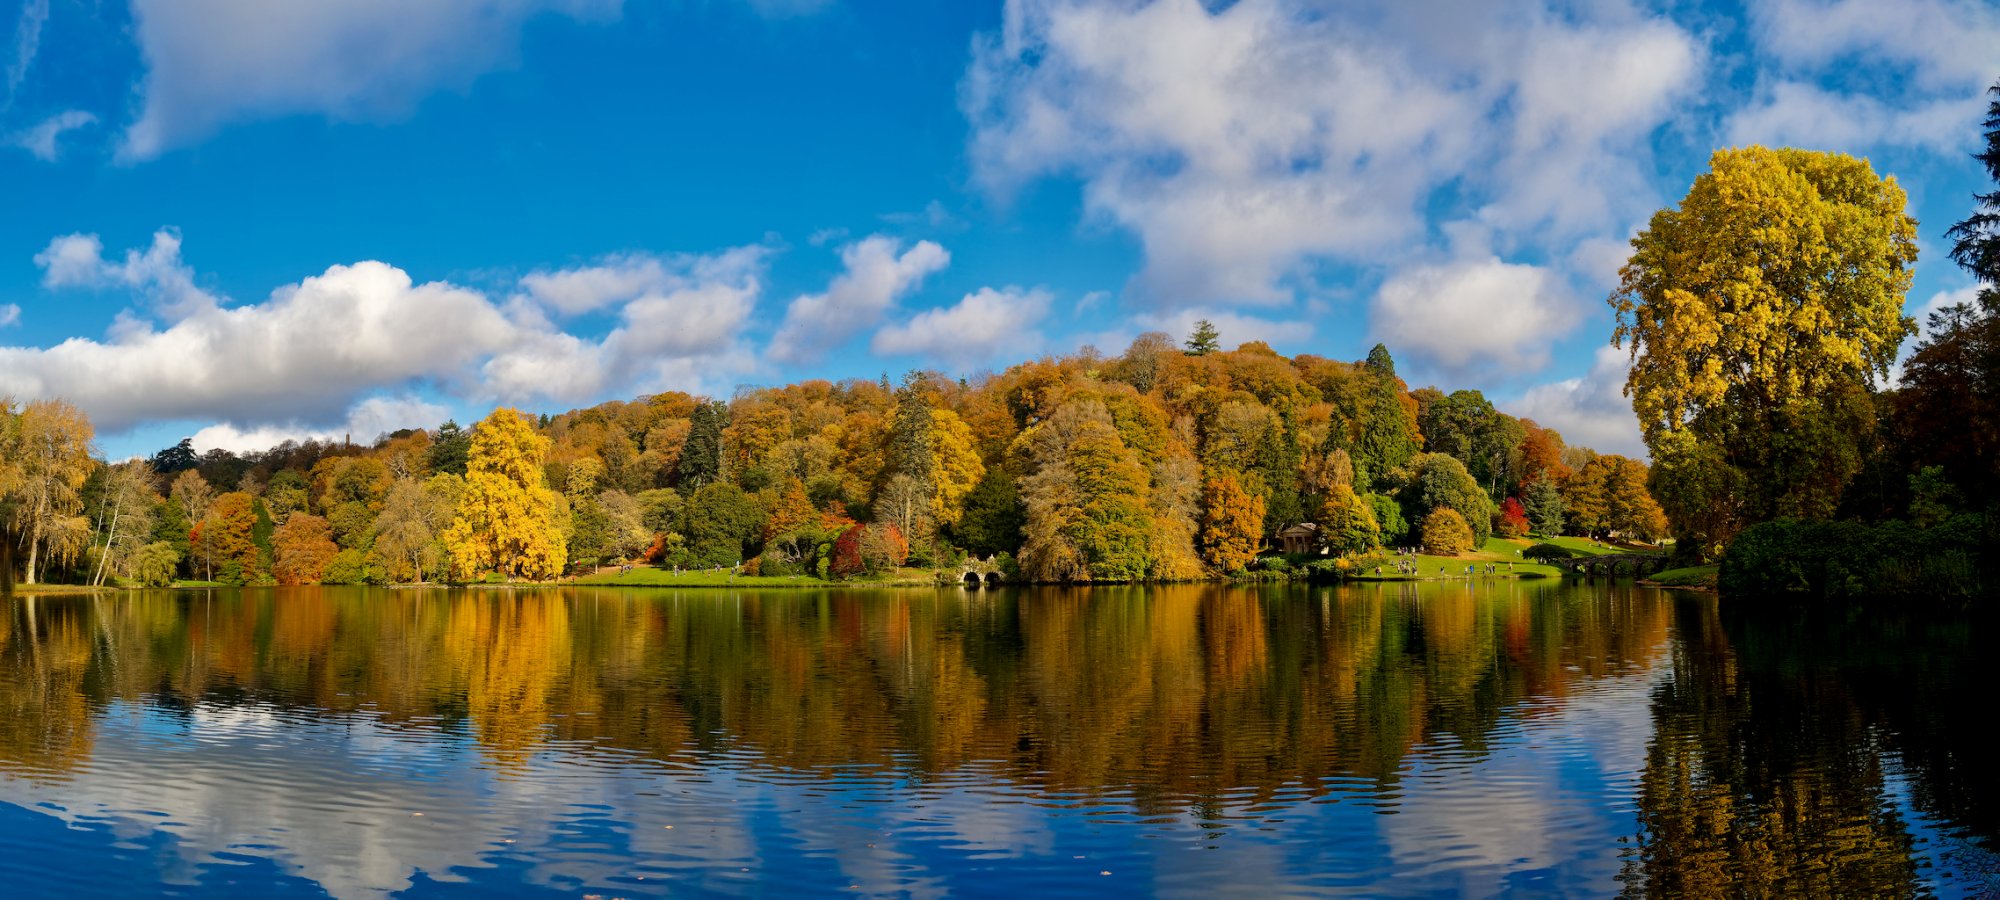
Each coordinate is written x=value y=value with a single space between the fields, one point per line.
x=1613 y=565
x=981 y=572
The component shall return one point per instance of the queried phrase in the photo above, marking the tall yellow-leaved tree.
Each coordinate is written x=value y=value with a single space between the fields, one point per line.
x=508 y=519
x=52 y=461
x=1762 y=313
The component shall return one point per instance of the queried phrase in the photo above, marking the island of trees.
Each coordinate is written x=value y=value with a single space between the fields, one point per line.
x=1763 y=314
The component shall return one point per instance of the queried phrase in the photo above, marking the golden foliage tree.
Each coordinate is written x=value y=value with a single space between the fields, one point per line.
x=507 y=519
x=51 y=461
x=1760 y=312
x=1445 y=533
x=1232 y=523
x=955 y=465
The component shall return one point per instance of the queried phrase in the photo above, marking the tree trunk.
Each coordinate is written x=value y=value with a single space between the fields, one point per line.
x=111 y=537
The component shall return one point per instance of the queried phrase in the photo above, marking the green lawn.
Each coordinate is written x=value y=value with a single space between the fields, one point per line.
x=1691 y=577
x=649 y=576
x=1582 y=546
x=1497 y=550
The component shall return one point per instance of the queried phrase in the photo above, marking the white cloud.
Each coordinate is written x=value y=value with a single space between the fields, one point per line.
x=366 y=421
x=27 y=43
x=213 y=62
x=302 y=355
x=1471 y=314
x=980 y=327
x=10 y=314
x=877 y=272
x=1310 y=134
x=158 y=274
x=1589 y=411
x=1948 y=44
x=41 y=140
x=621 y=279
x=1805 y=115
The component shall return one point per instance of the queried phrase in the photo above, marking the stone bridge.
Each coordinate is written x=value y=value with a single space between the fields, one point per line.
x=977 y=573
x=1613 y=565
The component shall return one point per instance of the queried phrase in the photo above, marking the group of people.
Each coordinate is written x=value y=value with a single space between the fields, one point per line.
x=1405 y=565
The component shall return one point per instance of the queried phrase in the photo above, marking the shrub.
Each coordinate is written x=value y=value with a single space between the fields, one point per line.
x=1445 y=532
x=1547 y=552
x=1851 y=561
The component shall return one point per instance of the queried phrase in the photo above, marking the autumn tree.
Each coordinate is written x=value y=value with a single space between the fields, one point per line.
x=192 y=494
x=1438 y=481
x=507 y=520
x=1232 y=523
x=1445 y=532
x=304 y=547
x=1513 y=519
x=1760 y=313
x=1085 y=499
x=230 y=529
x=1346 y=523
x=51 y=461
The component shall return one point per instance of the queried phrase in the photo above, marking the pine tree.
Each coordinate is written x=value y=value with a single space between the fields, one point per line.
x=701 y=453
x=1205 y=339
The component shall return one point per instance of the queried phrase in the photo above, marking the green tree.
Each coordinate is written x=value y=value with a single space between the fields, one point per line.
x=721 y=521
x=1388 y=429
x=701 y=454
x=993 y=516
x=1439 y=481
x=1204 y=340
x=1543 y=503
x=1760 y=313
x=1347 y=524
x=450 y=449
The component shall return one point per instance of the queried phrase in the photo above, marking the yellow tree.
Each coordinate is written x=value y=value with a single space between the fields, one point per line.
x=1761 y=312
x=1232 y=523
x=51 y=461
x=955 y=465
x=508 y=518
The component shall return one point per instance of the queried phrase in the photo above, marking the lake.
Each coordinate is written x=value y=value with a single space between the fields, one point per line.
x=1537 y=737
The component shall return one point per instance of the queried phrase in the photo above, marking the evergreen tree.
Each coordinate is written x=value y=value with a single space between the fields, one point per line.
x=450 y=448
x=701 y=453
x=1544 y=505
x=1205 y=339
x=1388 y=435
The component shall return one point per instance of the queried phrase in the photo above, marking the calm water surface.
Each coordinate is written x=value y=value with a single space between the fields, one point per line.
x=1538 y=738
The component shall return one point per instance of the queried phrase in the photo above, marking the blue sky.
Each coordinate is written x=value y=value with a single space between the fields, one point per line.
x=248 y=221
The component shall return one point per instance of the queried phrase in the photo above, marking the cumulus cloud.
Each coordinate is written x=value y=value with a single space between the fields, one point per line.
x=156 y=273
x=877 y=271
x=679 y=320
x=1946 y=43
x=367 y=420
x=304 y=357
x=41 y=140
x=1591 y=410
x=975 y=330
x=1471 y=315
x=1311 y=134
x=213 y=62
x=10 y=314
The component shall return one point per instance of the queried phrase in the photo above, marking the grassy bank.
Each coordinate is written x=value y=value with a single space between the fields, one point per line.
x=1434 y=568
x=648 y=576
x=1700 y=578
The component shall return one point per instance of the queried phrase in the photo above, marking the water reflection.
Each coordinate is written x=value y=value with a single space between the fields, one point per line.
x=986 y=743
